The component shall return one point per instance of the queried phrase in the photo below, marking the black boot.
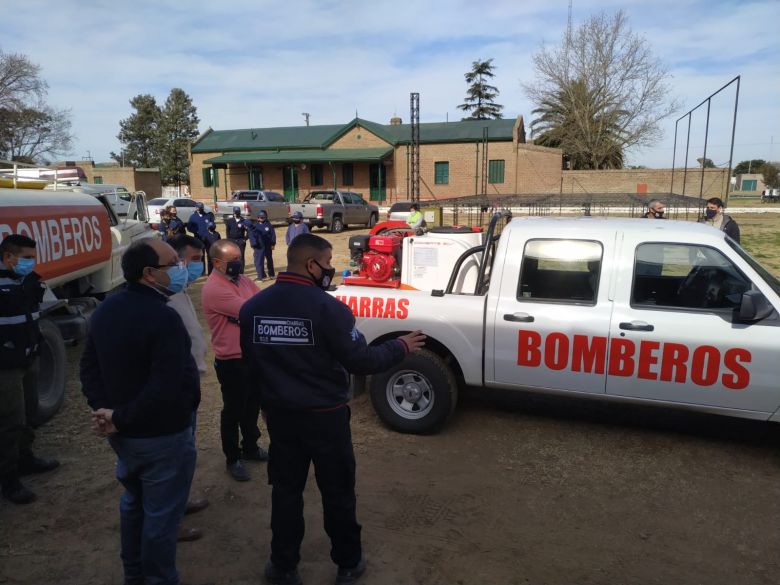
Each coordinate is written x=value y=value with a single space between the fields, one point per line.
x=33 y=465
x=15 y=492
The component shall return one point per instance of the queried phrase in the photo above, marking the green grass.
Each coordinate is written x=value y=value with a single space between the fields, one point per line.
x=761 y=237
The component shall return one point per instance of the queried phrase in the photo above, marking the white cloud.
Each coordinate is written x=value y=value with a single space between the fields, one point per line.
x=254 y=64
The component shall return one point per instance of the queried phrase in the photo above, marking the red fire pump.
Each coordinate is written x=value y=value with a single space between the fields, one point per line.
x=377 y=255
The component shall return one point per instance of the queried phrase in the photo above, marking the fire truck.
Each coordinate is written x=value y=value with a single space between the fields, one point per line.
x=79 y=244
x=665 y=313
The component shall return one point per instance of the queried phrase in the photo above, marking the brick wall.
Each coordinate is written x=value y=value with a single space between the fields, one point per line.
x=646 y=181
x=146 y=180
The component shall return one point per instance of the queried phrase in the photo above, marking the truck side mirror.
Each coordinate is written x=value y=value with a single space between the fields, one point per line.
x=753 y=307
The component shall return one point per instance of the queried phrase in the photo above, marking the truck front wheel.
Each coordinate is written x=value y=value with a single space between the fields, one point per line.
x=417 y=396
x=51 y=373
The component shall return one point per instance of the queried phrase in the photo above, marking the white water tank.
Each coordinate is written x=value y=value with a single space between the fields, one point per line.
x=428 y=260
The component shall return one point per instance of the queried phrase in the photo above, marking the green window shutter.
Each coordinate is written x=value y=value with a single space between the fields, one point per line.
x=208 y=177
x=255 y=178
x=441 y=174
x=347 y=174
x=496 y=171
x=316 y=175
x=749 y=185
x=98 y=180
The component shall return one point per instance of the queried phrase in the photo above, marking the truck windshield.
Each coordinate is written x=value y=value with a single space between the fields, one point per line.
x=770 y=279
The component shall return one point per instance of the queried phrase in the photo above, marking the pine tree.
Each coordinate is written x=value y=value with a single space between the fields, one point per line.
x=139 y=134
x=178 y=129
x=480 y=95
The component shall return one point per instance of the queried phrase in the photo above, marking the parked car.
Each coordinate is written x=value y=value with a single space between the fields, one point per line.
x=252 y=202
x=117 y=195
x=185 y=207
x=336 y=210
x=399 y=211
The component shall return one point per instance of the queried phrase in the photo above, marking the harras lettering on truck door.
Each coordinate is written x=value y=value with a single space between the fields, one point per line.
x=68 y=237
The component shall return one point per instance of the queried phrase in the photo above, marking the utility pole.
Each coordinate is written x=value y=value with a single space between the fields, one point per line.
x=414 y=115
x=306 y=115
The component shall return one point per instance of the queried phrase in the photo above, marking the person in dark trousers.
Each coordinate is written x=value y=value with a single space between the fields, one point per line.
x=212 y=235
x=299 y=344
x=141 y=381
x=222 y=296
x=236 y=229
x=296 y=228
x=714 y=216
x=655 y=209
x=265 y=243
x=199 y=225
x=21 y=292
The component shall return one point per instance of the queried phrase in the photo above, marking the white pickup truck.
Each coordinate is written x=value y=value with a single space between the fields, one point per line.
x=659 y=312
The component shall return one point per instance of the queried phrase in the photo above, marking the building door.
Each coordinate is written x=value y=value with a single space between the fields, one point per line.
x=377 y=182
x=255 y=178
x=290 y=183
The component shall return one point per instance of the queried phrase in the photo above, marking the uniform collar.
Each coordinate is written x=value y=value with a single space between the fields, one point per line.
x=293 y=278
x=146 y=290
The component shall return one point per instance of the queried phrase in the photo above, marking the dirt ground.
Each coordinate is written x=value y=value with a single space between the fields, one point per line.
x=517 y=489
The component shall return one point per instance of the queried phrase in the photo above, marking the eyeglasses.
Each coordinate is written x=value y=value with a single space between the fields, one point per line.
x=179 y=264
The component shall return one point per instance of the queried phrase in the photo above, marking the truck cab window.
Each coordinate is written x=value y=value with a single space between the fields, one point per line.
x=564 y=271
x=685 y=276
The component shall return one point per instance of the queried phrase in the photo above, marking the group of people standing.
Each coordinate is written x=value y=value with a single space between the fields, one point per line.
x=298 y=375
x=713 y=216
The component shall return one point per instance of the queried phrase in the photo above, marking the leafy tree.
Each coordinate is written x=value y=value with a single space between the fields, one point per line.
x=139 y=134
x=178 y=129
x=27 y=134
x=29 y=127
x=558 y=122
x=771 y=175
x=599 y=93
x=748 y=166
x=706 y=163
x=480 y=96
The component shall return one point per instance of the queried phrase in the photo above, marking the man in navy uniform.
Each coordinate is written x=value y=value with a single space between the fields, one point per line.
x=21 y=292
x=265 y=240
x=299 y=344
x=199 y=224
x=236 y=230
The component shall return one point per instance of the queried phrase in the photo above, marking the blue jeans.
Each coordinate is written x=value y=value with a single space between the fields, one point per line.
x=157 y=474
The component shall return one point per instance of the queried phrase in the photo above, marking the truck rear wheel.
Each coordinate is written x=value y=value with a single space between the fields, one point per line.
x=372 y=220
x=337 y=225
x=417 y=396
x=51 y=373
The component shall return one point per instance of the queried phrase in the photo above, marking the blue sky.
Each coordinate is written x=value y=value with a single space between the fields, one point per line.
x=256 y=63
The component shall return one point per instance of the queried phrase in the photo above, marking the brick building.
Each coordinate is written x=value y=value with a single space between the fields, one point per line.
x=134 y=179
x=374 y=159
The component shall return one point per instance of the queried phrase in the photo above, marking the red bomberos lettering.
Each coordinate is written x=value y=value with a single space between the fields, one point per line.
x=704 y=365
x=376 y=307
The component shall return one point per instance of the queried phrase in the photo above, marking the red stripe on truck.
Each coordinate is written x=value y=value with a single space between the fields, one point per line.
x=67 y=237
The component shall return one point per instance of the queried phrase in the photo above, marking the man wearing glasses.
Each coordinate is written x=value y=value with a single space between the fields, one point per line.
x=142 y=384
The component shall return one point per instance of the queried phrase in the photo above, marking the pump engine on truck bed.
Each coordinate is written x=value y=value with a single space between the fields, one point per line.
x=393 y=255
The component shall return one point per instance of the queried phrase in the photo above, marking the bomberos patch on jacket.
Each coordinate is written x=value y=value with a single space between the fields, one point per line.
x=282 y=331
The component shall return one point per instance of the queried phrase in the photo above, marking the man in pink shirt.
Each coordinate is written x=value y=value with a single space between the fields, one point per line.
x=223 y=294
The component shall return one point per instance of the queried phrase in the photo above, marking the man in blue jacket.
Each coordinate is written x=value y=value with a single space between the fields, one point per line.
x=299 y=344
x=236 y=229
x=199 y=224
x=263 y=235
x=146 y=409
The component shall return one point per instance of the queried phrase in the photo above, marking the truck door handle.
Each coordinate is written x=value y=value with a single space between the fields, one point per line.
x=636 y=326
x=519 y=317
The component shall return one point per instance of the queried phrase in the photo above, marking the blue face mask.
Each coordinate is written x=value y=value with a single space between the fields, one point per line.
x=710 y=213
x=194 y=271
x=177 y=276
x=24 y=266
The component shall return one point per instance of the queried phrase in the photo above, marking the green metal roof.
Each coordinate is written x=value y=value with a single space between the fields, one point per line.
x=266 y=138
x=319 y=137
x=299 y=156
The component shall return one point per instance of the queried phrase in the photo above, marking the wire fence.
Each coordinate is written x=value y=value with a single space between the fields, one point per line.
x=477 y=210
